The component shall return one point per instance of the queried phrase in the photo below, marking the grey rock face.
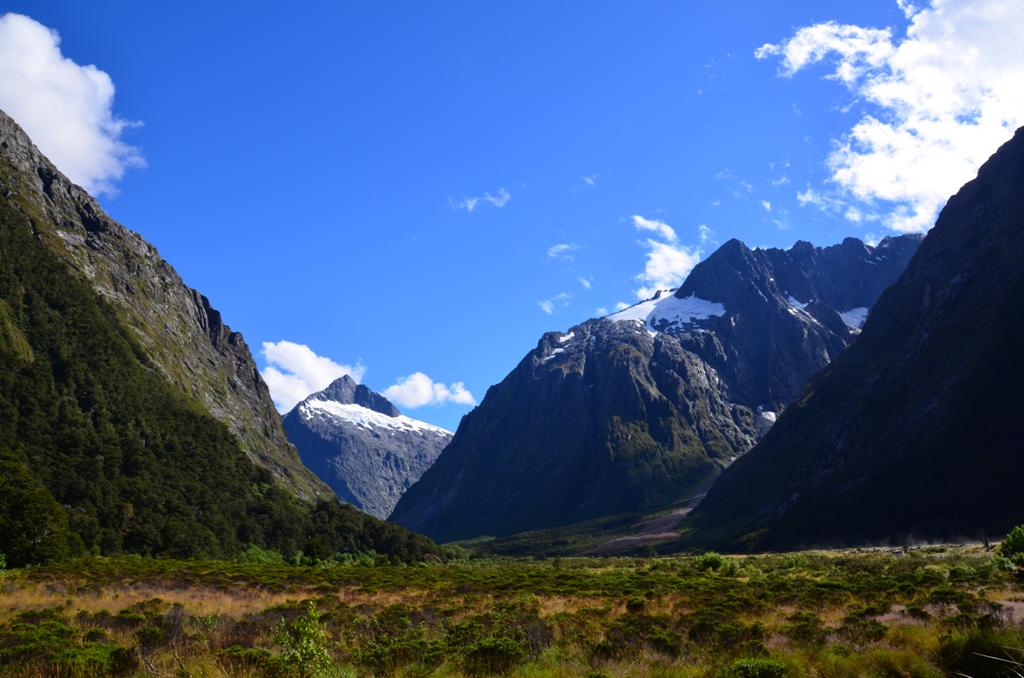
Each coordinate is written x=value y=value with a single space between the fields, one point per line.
x=357 y=442
x=180 y=331
x=645 y=407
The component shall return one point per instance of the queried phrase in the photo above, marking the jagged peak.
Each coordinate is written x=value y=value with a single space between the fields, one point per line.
x=346 y=391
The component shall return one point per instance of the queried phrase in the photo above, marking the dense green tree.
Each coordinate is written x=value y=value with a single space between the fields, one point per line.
x=99 y=453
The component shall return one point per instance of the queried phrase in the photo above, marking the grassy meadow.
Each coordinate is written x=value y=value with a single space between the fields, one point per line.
x=929 y=611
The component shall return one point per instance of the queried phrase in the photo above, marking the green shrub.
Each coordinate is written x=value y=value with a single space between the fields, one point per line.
x=255 y=554
x=3 y=561
x=805 y=628
x=982 y=653
x=1013 y=545
x=493 y=656
x=306 y=646
x=755 y=668
x=709 y=561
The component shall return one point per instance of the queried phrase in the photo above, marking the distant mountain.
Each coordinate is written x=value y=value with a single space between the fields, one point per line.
x=358 y=443
x=644 y=407
x=107 y=445
x=177 y=328
x=916 y=431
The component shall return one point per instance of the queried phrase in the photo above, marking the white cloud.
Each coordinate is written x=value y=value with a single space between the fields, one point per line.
x=660 y=227
x=500 y=199
x=766 y=205
x=560 y=300
x=706 y=234
x=941 y=99
x=562 y=249
x=667 y=262
x=619 y=305
x=294 y=371
x=589 y=180
x=667 y=266
x=587 y=283
x=601 y=311
x=417 y=390
x=65 y=108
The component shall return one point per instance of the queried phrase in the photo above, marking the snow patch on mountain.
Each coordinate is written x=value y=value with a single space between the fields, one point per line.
x=667 y=311
x=855 y=317
x=366 y=418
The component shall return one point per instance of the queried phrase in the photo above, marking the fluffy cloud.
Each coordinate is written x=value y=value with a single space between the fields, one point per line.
x=667 y=266
x=294 y=371
x=66 y=108
x=663 y=230
x=562 y=249
x=560 y=300
x=500 y=199
x=417 y=390
x=940 y=100
x=668 y=263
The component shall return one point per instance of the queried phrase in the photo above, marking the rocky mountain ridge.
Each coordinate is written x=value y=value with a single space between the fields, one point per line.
x=641 y=408
x=177 y=326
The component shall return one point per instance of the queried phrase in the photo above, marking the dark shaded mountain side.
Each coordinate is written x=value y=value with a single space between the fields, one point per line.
x=99 y=453
x=633 y=412
x=605 y=420
x=358 y=443
x=179 y=331
x=916 y=431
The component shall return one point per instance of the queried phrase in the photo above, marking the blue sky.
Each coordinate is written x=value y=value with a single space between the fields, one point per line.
x=309 y=167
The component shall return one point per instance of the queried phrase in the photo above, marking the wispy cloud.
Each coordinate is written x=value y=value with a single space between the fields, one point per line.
x=562 y=250
x=418 y=390
x=662 y=229
x=767 y=206
x=66 y=108
x=499 y=199
x=706 y=234
x=938 y=100
x=559 y=301
x=294 y=371
x=589 y=180
x=586 y=283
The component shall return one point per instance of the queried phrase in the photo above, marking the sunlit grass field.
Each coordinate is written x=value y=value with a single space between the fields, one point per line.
x=930 y=611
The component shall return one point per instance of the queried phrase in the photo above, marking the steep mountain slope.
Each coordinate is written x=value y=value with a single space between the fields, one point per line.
x=101 y=453
x=634 y=411
x=175 y=325
x=916 y=430
x=357 y=442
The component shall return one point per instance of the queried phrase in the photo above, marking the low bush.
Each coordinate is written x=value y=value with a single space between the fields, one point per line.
x=755 y=668
x=1012 y=546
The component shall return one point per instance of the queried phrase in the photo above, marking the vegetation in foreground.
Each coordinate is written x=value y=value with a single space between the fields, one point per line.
x=927 y=612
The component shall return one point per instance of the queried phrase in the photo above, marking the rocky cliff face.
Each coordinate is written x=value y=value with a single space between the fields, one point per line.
x=642 y=408
x=914 y=432
x=361 y=445
x=179 y=330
